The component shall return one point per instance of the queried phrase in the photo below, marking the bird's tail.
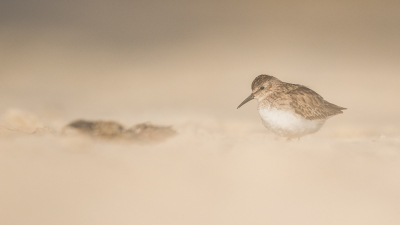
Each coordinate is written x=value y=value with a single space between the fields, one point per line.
x=333 y=109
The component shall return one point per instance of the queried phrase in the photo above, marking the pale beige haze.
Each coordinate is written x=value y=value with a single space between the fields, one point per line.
x=188 y=65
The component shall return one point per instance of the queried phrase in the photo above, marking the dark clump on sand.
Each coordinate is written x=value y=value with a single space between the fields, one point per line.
x=111 y=130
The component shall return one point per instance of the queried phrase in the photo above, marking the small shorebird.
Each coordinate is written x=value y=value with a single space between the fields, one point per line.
x=290 y=110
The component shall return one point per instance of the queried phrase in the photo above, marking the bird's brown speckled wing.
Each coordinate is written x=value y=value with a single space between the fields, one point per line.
x=310 y=105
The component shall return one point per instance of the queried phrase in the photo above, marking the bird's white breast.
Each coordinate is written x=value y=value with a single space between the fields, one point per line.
x=287 y=123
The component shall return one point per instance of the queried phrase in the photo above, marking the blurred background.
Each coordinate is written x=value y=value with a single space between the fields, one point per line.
x=120 y=58
x=190 y=64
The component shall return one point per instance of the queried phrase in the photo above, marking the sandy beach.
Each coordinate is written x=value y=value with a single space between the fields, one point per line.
x=188 y=66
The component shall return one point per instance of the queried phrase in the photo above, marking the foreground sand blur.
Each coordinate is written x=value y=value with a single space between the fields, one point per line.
x=213 y=172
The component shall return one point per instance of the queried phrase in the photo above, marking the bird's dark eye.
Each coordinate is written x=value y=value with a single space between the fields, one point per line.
x=261 y=88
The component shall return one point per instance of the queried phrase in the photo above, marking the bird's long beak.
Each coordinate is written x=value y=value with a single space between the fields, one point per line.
x=251 y=97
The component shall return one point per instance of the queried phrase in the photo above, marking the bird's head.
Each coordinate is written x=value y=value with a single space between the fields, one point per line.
x=260 y=88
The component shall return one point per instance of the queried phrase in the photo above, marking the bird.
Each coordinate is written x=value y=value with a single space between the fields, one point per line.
x=290 y=110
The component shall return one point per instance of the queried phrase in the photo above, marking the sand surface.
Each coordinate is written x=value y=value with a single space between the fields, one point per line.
x=189 y=66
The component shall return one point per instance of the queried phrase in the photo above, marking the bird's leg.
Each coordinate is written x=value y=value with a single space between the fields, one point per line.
x=288 y=139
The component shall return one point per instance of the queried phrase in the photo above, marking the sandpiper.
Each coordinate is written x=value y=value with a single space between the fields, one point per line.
x=290 y=110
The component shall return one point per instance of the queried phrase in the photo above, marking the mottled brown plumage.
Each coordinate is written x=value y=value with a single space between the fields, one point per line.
x=295 y=97
x=311 y=105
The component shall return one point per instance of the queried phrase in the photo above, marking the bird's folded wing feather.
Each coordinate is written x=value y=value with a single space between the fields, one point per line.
x=310 y=105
